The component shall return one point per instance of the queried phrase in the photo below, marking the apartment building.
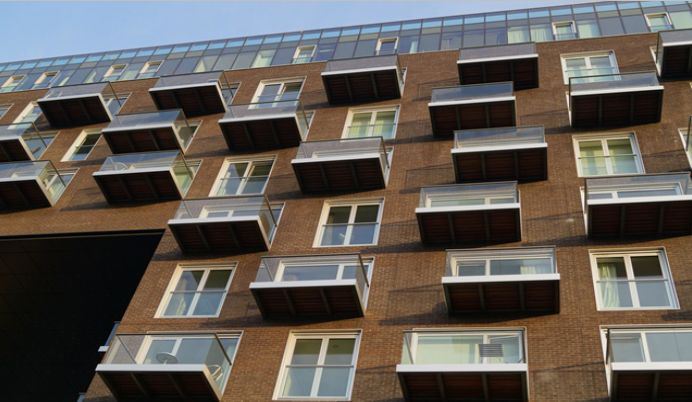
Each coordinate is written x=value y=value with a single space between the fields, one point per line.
x=488 y=207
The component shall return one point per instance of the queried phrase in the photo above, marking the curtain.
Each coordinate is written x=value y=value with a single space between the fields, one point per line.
x=541 y=33
x=588 y=29
x=518 y=35
x=453 y=349
x=610 y=292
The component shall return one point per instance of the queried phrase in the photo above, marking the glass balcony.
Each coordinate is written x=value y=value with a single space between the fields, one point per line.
x=517 y=63
x=642 y=205
x=674 y=54
x=168 y=366
x=197 y=94
x=312 y=286
x=501 y=280
x=233 y=224
x=25 y=185
x=472 y=106
x=273 y=124
x=503 y=153
x=363 y=79
x=615 y=100
x=145 y=176
x=148 y=132
x=456 y=364
x=77 y=105
x=22 y=142
x=649 y=363
x=484 y=213
x=346 y=165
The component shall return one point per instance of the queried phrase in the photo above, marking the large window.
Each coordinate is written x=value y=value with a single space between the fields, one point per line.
x=45 y=80
x=379 y=122
x=115 y=104
x=386 y=45
x=658 y=22
x=594 y=65
x=243 y=177
x=564 y=30
x=12 y=83
x=349 y=224
x=303 y=54
x=82 y=146
x=114 y=72
x=197 y=291
x=611 y=155
x=632 y=280
x=651 y=345
x=269 y=92
x=149 y=69
x=318 y=366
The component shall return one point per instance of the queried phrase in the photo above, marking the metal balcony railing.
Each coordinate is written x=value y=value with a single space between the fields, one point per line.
x=153 y=120
x=499 y=138
x=638 y=188
x=501 y=262
x=44 y=172
x=475 y=93
x=499 y=52
x=479 y=196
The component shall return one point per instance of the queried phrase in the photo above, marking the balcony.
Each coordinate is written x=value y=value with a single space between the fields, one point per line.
x=467 y=107
x=615 y=100
x=517 y=63
x=674 y=54
x=469 y=214
x=145 y=177
x=26 y=185
x=263 y=126
x=649 y=364
x=346 y=165
x=196 y=94
x=505 y=153
x=148 y=132
x=78 y=105
x=363 y=79
x=320 y=286
x=170 y=367
x=639 y=206
x=21 y=142
x=502 y=280
x=232 y=225
x=460 y=365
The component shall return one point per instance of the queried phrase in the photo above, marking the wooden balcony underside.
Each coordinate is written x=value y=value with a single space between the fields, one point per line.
x=195 y=101
x=22 y=195
x=340 y=176
x=639 y=220
x=362 y=87
x=445 y=119
x=521 y=165
x=138 y=187
x=149 y=140
x=73 y=112
x=470 y=227
x=261 y=134
x=522 y=72
x=540 y=297
x=230 y=237
x=652 y=386
x=432 y=387
x=309 y=302
x=616 y=109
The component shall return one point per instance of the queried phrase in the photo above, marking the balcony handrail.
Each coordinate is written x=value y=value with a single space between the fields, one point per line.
x=499 y=253
x=618 y=74
x=179 y=112
x=21 y=133
x=528 y=45
x=381 y=145
x=105 y=84
x=686 y=189
x=510 y=131
x=423 y=193
x=184 y=204
x=316 y=258
x=689 y=134
x=163 y=162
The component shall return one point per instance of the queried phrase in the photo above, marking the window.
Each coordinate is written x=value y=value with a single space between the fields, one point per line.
x=658 y=22
x=650 y=345
x=632 y=280
x=30 y=114
x=114 y=72
x=277 y=91
x=318 y=366
x=228 y=91
x=303 y=54
x=686 y=143
x=196 y=291
x=564 y=30
x=45 y=80
x=12 y=83
x=150 y=68
x=349 y=224
x=82 y=146
x=115 y=103
x=386 y=46
x=603 y=156
x=38 y=143
x=244 y=177
x=4 y=109
x=315 y=270
x=595 y=65
x=263 y=58
x=371 y=123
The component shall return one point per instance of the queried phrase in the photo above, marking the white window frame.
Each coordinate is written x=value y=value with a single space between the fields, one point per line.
x=354 y=204
x=296 y=54
x=48 y=76
x=282 y=82
x=150 y=63
x=27 y=109
x=8 y=107
x=251 y=163
x=587 y=56
x=324 y=336
x=627 y=255
x=207 y=268
x=485 y=334
x=683 y=133
x=13 y=82
x=373 y=116
x=640 y=330
x=570 y=23
x=111 y=72
x=394 y=39
x=576 y=139
x=662 y=13
x=78 y=143
x=122 y=97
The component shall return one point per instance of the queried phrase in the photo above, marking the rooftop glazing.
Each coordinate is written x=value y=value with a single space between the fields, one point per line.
x=586 y=20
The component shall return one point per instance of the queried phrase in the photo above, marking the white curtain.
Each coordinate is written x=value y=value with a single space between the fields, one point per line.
x=610 y=292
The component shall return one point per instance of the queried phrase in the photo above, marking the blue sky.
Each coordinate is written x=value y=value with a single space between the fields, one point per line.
x=63 y=28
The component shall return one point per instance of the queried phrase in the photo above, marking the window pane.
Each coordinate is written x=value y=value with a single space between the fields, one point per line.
x=179 y=304
x=299 y=381
x=588 y=29
x=646 y=266
x=520 y=266
x=670 y=346
x=254 y=185
x=541 y=33
x=217 y=279
x=189 y=280
x=340 y=351
x=518 y=35
x=208 y=303
x=627 y=348
x=159 y=351
x=338 y=214
x=653 y=294
x=307 y=273
x=367 y=213
x=448 y=349
x=334 y=381
x=306 y=351
x=590 y=148
x=511 y=352
x=471 y=268
x=681 y=19
x=363 y=234
x=334 y=235
x=620 y=146
x=193 y=350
